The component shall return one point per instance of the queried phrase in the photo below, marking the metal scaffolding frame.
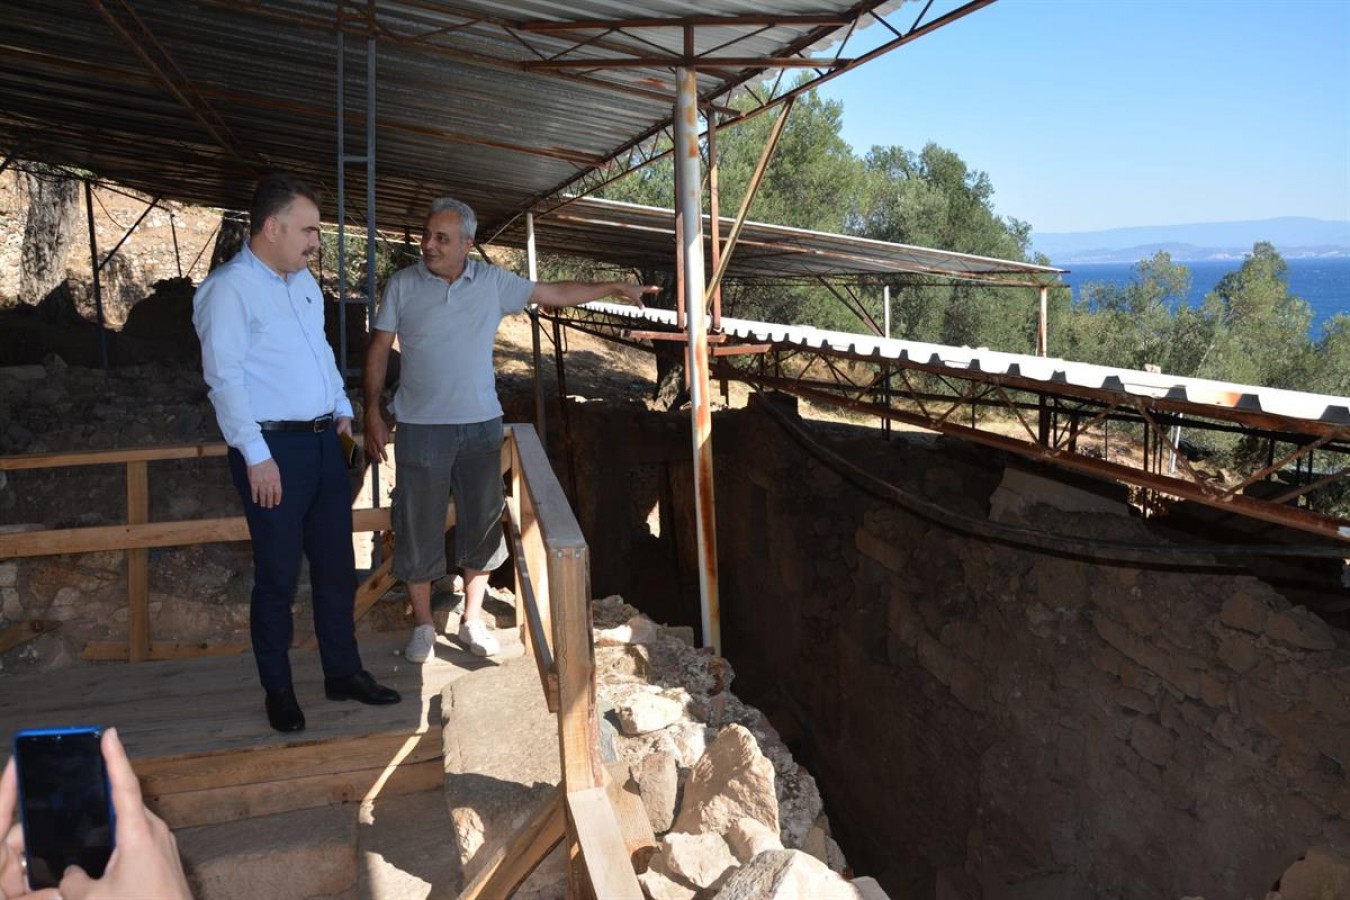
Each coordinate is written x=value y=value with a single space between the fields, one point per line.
x=952 y=390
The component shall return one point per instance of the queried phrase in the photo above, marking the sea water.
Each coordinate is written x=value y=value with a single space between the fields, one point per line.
x=1324 y=283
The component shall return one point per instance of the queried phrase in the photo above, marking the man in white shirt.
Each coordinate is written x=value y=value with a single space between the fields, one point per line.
x=445 y=311
x=280 y=404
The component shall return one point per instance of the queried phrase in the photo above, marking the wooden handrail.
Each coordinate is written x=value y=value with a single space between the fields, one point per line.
x=554 y=609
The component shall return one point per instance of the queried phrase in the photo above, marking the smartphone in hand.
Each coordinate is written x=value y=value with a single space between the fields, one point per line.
x=65 y=803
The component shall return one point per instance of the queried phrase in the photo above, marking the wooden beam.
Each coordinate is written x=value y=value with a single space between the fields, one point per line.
x=115 y=651
x=507 y=868
x=153 y=534
x=578 y=719
x=138 y=563
x=629 y=811
x=602 y=847
x=22 y=632
x=106 y=457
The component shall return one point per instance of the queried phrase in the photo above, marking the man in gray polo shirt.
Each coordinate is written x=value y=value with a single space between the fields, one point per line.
x=445 y=311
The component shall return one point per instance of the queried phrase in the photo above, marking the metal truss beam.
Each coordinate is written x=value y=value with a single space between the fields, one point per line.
x=958 y=402
x=142 y=41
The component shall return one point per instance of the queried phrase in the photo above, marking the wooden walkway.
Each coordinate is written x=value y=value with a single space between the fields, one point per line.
x=200 y=742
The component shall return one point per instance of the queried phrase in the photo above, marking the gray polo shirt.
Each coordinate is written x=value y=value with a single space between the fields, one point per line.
x=446 y=334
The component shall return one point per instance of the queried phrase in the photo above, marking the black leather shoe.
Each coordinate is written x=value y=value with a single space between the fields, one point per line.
x=362 y=687
x=283 y=711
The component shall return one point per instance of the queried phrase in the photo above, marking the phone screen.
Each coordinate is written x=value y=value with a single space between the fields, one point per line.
x=64 y=798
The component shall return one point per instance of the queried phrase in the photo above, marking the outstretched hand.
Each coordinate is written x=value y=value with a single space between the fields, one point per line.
x=633 y=293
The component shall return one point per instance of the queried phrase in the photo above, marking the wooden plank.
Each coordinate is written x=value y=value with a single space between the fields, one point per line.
x=232 y=802
x=22 y=632
x=527 y=640
x=122 y=537
x=578 y=721
x=528 y=603
x=507 y=868
x=262 y=765
x=536 y=568
x=119 y=651
x=154 y=534
x=138 y=564
x=602 y=847
x=546 y=494
x=107 y=457
x=634 y=825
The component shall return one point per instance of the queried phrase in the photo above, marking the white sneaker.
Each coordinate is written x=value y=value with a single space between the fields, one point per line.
x=422 y=645
x=475 y=636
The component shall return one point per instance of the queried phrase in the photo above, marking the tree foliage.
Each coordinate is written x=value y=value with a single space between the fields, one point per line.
x=1249 y=329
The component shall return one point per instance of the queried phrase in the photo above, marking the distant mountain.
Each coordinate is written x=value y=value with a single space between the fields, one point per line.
x=1294 y=236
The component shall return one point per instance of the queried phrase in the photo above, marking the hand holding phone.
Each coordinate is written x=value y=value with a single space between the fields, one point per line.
x=65 y=802
x=145 y=862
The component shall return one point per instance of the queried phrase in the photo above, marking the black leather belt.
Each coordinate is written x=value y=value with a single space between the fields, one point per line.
x=322 y=423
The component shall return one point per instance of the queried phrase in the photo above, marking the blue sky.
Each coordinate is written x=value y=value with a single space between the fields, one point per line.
x=1093 y=114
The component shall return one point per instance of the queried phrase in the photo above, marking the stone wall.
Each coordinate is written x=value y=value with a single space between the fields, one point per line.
x=995 y=720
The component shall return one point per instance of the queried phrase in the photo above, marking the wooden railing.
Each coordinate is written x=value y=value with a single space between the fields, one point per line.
x=552 y=607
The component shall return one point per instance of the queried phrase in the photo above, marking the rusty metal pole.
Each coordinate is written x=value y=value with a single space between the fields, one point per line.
x=886 y=309
x=532 y=257
x=714 y=216
x=1042 y=326
x=689 y=201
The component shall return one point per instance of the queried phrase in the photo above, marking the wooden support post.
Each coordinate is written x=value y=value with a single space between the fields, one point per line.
x=513 y=862
x=138 y=563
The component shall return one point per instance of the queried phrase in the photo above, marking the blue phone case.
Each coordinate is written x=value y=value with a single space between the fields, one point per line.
x=56 y=734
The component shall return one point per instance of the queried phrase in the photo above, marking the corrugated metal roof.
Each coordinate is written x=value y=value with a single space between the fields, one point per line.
x=644 y=237
x=1218 y=394
x=190 y=99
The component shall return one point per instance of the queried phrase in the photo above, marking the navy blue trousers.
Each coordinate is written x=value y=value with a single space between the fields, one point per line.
x=314 y=518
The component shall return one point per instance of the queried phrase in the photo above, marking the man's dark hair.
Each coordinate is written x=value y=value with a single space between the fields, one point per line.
x=274 y=193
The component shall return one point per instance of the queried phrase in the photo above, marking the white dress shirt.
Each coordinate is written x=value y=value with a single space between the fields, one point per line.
x=264 y=353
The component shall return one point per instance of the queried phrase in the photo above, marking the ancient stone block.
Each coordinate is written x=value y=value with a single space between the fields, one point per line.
x=1113 y=633
x=9 y=574
x=1107 y=659
x=1151 y=741
x=936 y=658
x=786 y=875
x=1135 y=700
x=700 y=860
x=749 y=837
x=1245 y=612
x=967 y=685
x=1330 y=697
x=644 y=713
x=657 y=886
x=732 y=780
x=883 y=551
x=1213 y=691
x=1300 y=628
x=1237 y=652
x=1322 y=873
x=658 y=785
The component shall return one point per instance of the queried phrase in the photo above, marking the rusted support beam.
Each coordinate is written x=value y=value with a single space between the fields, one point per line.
x=669 y=336
x=767 y=21
x=741 y=349
x=750 y=191
x=688 y=202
